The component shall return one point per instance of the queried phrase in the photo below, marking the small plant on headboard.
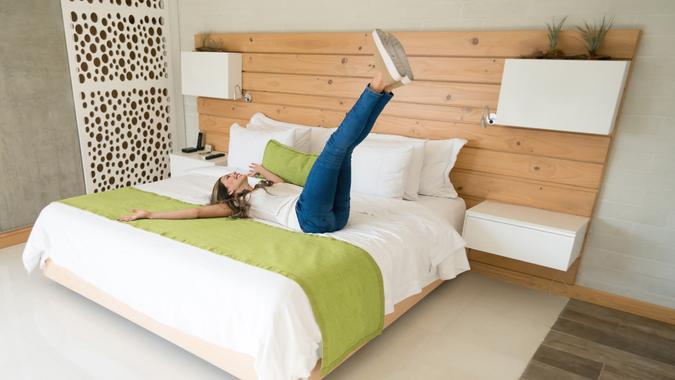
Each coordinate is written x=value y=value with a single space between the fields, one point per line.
x=207 y=43
x=554 y=29
x=593 y=34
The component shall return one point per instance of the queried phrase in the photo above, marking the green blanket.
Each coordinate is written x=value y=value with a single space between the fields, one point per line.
x=342 y=282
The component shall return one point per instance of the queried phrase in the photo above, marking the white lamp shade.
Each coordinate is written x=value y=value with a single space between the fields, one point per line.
x=211 y=74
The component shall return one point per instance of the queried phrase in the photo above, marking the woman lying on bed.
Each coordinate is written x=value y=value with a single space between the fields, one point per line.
x=323 y=204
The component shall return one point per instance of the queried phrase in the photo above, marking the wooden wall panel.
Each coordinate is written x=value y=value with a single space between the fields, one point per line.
x=519 y=266
x=619 y=43
x=570 y=146
x=476 y=70
x=527 y=166
x=408 y=110
x=216 y=130
x=568 y=199
x=314 y=78
x=441 y=93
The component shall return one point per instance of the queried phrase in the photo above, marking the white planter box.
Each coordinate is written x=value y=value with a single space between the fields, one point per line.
x=536 y=236
x=562 y=95
x=211 y=74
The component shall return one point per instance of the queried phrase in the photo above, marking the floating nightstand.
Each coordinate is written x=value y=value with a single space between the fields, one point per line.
x=541 y=237
x=182 y=162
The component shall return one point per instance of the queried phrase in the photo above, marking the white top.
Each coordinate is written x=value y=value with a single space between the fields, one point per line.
x=276 y=204
x=544 y=220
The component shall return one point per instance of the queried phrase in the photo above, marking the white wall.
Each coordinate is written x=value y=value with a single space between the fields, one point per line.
x=631 y=250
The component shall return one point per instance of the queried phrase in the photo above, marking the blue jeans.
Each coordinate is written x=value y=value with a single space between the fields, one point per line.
x=324 y=203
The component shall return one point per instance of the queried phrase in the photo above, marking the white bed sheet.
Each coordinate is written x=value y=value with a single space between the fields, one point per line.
x=226 y=302
x=450 y=209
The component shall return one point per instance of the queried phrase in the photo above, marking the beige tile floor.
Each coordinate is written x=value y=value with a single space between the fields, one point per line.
x=472 y=327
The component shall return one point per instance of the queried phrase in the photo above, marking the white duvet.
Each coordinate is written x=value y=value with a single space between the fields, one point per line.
x=228 y=303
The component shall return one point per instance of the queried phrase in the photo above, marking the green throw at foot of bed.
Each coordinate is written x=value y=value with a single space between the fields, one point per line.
x=342 y=282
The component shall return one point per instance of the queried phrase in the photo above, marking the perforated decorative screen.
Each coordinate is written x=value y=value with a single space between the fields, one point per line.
x=120 y=71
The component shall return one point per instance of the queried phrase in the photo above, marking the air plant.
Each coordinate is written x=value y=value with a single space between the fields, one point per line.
x=594 y=33
x=554 y=29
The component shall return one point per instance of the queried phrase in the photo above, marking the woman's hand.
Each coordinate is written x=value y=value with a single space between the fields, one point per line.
x=259 y=169
x=255 y=169
x=137 y=214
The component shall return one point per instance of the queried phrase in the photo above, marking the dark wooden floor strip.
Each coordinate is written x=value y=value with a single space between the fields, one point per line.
x=621 y=337
x=631 y=366
x=569 y=362
x=537 y=371
x=637 y=322
x=592 y=342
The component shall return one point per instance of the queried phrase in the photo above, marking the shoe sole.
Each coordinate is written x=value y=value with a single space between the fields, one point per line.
x=386 y=55
x=402 y=57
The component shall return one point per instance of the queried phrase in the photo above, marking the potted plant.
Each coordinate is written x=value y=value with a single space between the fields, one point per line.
x=554 y=28
x=593 y=34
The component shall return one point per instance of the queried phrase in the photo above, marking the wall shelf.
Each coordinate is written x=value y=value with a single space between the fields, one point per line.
x=563 y=95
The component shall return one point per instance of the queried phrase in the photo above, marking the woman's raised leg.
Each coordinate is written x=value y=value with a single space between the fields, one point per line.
x=329 y=182
x=342 y=202
x=315 y=206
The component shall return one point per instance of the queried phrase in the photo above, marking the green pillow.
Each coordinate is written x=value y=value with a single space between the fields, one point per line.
x=291 y=165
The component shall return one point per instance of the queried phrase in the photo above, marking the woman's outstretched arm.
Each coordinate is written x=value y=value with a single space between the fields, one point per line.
x=211 y=211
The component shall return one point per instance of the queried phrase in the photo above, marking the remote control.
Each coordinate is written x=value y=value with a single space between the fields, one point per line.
x=189 y=150
x=215 y=155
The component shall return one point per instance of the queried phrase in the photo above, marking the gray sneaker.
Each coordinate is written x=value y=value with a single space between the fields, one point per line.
x=393 y=56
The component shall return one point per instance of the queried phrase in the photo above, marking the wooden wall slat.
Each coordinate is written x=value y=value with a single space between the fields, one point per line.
x=408 y=110
x=571 y=146
x=557 y=171
x=619 y=43
x=560 y=198
x=441 y=93
x=538 y=168
x=307 y=116
x=476 y=70
x=471 y=201
x=219 y=141
x=517 y=140
x=523 y=267
x=217 y=130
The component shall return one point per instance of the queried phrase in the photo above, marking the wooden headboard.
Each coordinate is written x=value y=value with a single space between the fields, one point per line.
x=314 y=78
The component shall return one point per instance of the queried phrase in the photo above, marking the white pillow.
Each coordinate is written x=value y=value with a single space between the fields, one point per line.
x=439 y=159
x=301 y=140
x=412 y=183
x=318 y=139
x=248 y=145
x=380 y=169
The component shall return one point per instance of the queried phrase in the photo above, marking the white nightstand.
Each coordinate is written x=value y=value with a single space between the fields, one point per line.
x=182 y=162
x=546 y=238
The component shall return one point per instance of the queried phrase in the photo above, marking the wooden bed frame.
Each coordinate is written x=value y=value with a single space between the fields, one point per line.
x=314 y=78
x=232 y=362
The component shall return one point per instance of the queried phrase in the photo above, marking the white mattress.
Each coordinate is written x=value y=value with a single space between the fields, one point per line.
x=231 y=304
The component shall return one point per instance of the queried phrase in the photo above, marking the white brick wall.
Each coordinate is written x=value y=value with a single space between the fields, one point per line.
x=631 y=249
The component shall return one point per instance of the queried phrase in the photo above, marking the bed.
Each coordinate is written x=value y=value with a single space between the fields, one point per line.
x=249 y=321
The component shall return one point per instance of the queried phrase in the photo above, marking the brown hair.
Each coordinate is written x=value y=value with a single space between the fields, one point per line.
x=238 y=202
